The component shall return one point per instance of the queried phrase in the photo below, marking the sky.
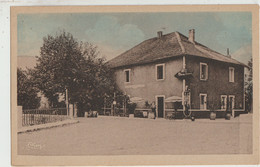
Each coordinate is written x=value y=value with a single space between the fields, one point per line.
x=114 y=33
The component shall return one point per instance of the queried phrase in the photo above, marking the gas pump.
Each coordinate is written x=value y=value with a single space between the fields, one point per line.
x=186 y=103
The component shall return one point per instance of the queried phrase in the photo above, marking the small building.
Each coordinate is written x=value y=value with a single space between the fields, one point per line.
x=165 y=67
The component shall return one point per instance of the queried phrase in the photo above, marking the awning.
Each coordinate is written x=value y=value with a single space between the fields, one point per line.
x=173 y=99
x=136 y=99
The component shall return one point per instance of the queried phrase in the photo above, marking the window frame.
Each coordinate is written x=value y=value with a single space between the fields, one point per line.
x=206 y=96
x=207 y=71
x=225 y=106
x=156 y=72
x=129 y=70
x=231 y=78
x=234 y=97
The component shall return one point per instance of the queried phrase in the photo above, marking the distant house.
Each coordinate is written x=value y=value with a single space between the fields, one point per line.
x=165 y=67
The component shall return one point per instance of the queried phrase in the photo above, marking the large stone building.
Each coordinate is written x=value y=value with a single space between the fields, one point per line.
x=162 y=68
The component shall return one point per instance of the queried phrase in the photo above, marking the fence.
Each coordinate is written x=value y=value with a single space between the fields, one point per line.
x=36 y=117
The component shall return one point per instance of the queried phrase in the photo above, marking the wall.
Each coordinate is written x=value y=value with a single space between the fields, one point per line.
x=143 y=81
x=217 y=84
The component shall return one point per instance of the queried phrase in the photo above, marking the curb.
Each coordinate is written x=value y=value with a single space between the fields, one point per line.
x=47 y=126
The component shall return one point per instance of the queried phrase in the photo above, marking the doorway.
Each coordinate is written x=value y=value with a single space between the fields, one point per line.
x=160 y=106
x=203 y=101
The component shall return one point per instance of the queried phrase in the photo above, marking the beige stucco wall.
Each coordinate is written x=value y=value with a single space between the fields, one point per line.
x=143 y=81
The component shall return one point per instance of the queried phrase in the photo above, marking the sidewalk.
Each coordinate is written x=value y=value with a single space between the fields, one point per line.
x=46 y=126
x=246 y=118
x=246 y=133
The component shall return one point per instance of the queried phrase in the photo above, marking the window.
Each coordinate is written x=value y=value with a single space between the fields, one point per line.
x=203 y=101
x=231 y=101
x=203 y=71
x=160 y=72
x=127 y=75
x=231 y=74
x=223 y=101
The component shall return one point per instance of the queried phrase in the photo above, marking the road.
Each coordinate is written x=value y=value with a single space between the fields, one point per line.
x=137 y=136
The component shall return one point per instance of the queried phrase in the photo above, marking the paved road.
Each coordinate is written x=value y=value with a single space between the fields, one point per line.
x=124 y=136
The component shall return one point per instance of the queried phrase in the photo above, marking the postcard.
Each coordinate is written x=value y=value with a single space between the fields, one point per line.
x=135 y=85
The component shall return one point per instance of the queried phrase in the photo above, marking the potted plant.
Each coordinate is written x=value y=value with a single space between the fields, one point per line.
x=228 y=111
x=213 y=113
x=228 y=116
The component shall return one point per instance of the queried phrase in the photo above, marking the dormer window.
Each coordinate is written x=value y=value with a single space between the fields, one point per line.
x=203 y=71
x=127 y=75
x=160 y=72
x=231 y=74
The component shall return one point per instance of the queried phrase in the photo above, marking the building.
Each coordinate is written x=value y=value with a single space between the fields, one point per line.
x=163 y=68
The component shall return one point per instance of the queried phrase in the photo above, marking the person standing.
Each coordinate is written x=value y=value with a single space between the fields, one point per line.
x=153 y=107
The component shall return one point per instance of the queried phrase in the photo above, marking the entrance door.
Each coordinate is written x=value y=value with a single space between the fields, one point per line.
x=203 y=101
x=160 y=106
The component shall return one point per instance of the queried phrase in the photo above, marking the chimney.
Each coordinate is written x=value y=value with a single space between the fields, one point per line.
x=228 y=55
x=192 y=35
x=159 y=34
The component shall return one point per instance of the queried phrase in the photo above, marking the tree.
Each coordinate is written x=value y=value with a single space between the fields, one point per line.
x=56 y=66
x=249 y=87
x=26 y=91
x=98 y=83
x=66 y=63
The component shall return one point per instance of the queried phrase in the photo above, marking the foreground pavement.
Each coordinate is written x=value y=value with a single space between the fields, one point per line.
x=137 y=136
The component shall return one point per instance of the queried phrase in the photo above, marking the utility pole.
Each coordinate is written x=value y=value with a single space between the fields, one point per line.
x=67 y=100
x=125 y=104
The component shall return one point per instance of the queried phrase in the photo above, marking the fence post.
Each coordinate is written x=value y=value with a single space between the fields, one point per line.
x=19 y=117
x=112 y=109
x=75 y=110
x=67 y=100
x=71 y=110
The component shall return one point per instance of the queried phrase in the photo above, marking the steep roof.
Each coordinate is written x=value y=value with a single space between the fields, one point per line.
x=170 y=45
